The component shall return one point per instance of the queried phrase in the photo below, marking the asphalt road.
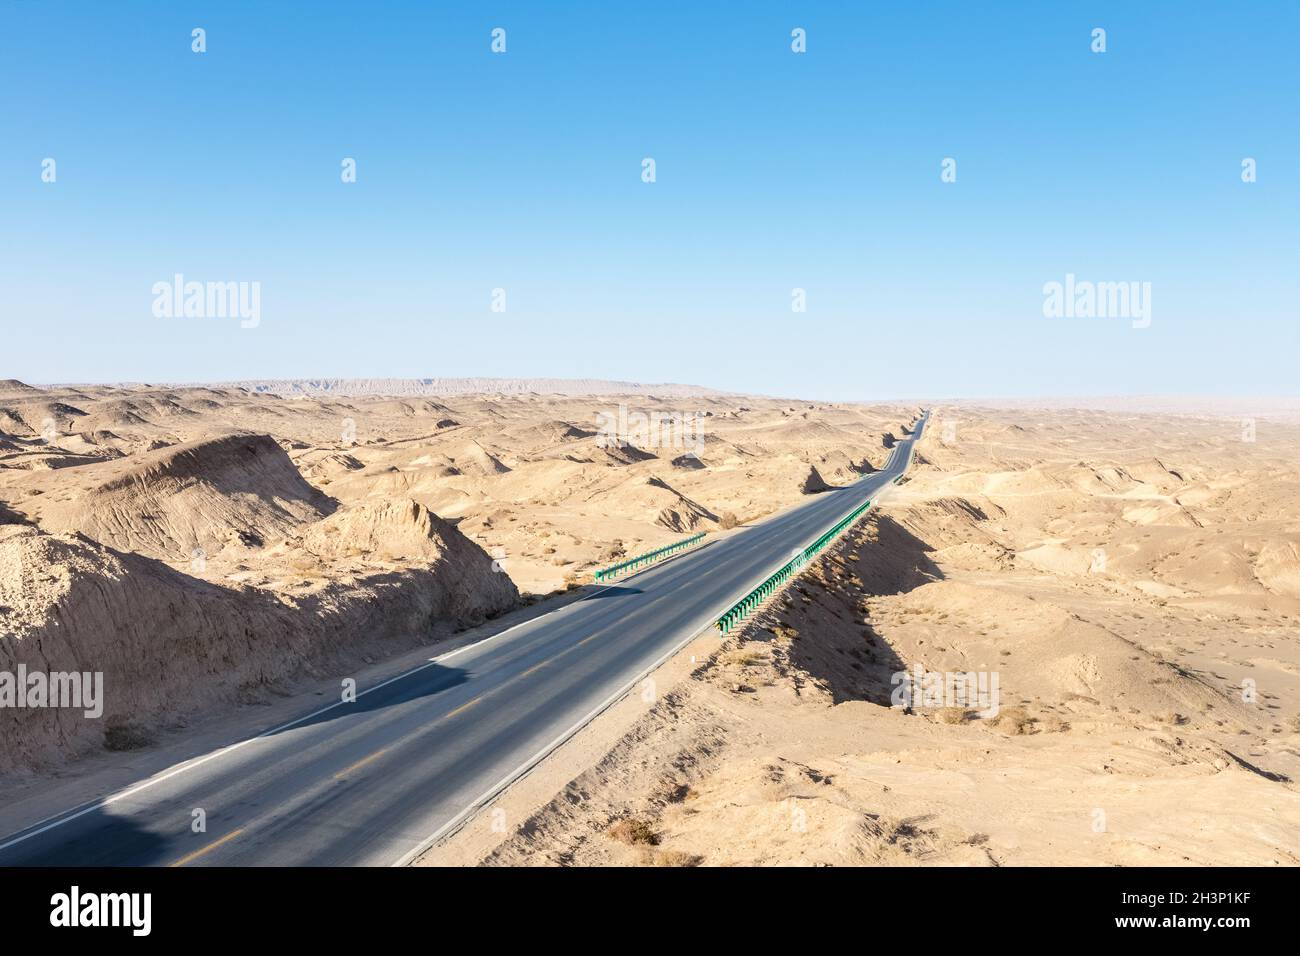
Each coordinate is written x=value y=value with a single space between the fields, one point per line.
x=375 y=781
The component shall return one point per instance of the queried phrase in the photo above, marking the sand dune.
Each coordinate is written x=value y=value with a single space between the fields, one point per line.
x=197 y=496
x=203 y=545
x=171 y=646
x=1131 y=582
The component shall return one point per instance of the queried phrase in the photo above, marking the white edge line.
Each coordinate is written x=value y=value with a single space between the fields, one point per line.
x=67 y=816
x=531 y=763
x=58 y=820
x=460 y=819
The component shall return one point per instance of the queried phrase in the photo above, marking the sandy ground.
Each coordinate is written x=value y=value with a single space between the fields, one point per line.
x=1132 y=581
x=210 y=547
x=552 y=486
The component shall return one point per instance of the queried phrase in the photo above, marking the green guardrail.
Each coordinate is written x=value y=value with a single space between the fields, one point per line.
x=641 y=560
x=746 y=605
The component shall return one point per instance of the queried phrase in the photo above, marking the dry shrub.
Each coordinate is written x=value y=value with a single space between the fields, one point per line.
x=728 y=521
x=634 y=832
x=126 y=736
x=955 y=715
x=668 y=858
x=746 y=658
x=1013 y=721
x=681 y=793
x=1052 y=724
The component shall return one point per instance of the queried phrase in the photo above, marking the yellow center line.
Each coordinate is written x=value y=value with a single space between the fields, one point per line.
x=462 y=708
x=361 y=763
x=534 y=669
x=209 y=848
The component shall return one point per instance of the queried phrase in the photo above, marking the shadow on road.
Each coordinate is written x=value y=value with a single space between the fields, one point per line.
x=426 y=682
x=611 y=591
x=97 y=838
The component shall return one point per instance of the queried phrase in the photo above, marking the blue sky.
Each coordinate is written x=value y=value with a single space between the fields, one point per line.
x=775 y=171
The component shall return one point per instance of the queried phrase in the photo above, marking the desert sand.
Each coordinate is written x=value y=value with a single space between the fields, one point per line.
x=1132 y=578
x=205 y=547
x=1134 y=582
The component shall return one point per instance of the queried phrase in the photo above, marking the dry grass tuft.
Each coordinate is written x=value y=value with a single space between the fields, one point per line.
x=1013 y=721
x=668 y=858
x=955 y=715
x=634 y=832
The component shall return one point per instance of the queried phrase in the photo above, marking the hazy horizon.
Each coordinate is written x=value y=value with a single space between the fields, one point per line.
x=782 y=178
x=1278 y=406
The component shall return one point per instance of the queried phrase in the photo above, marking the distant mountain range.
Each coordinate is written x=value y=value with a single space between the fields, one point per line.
x=463 y=386
x=1276 y=407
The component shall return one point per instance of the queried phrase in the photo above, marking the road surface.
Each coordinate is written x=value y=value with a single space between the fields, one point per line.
x=375 y=781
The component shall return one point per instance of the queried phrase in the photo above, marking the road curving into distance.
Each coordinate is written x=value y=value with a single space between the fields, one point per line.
x=376 y=781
